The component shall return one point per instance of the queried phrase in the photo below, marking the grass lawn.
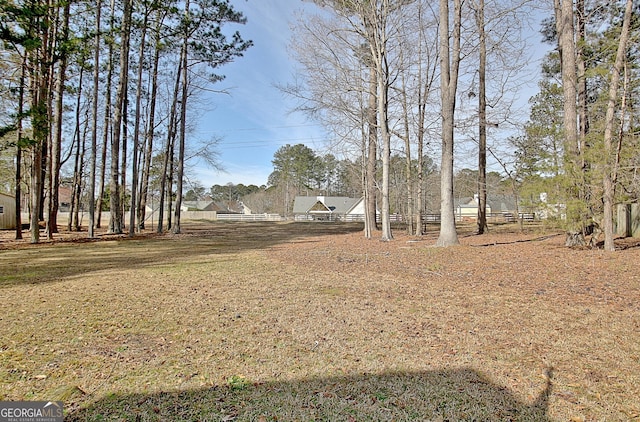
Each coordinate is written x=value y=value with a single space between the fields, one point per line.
x=303 y=321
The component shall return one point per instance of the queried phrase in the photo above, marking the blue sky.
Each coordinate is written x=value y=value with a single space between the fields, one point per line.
x=255 y=118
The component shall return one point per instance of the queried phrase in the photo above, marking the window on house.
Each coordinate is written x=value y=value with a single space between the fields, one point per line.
x=1 y=209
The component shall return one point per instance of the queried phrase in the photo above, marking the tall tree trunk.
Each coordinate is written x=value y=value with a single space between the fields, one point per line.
x=583 y=109
x=424 y=88
x=408 y=165
x=18 y=198
x=375 y=23
x=124 y=157
x=170 y=174
x=103 y=158
x=40 y=68
x=482 y=121
x=150 y=132
x=582 y=162
x=107 y=134
x=76 y=199
x=94 y=124
x=35 y=191
x=372 y=157
x=383 y=91
x=183 y=123
x=115 y=224
x=419 y=203
x=566 y=41
x=166 y=178
x=76 y=191
x=609 y=170
x=449 y=65
x=56 y=144
x=136 y=131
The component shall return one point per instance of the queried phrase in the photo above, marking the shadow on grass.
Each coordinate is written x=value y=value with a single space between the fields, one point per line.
x=449 y=395
x=46 y=262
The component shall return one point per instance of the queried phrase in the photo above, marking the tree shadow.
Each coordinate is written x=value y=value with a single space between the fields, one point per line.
x=48 y=262
x=447 y=395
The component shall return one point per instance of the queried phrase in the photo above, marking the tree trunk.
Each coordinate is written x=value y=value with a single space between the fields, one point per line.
x=124 y=157
x=419 y=204
x=115 y=195
x=583 y=109
x=18 y=198
x=183 y=124
x=136 y=131
x=385 y=217
x=424 y=89
x=94 y=124
x=74 y=215
x=76 y=191
x=378 y=44
x=449 y=65
x=409 y=180
x=609 y=171
x=566 y=41
x=482 y=122
x=150 y=131
x=166 y=179
x=56 y=143
x=372 y=156
x=35 y=190
x=40 y=68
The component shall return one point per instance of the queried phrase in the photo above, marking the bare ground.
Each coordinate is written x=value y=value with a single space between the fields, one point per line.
x=232 y=321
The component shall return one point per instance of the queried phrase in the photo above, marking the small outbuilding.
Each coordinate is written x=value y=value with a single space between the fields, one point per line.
x=7 y=212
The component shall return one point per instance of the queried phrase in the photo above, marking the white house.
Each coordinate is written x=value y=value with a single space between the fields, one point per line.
x=467 y=208
x=328 y=208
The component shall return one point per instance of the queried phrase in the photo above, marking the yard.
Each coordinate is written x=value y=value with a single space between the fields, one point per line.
x=304 y=321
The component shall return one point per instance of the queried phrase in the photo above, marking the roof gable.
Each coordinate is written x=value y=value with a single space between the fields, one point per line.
x=320 y=207
x=332 y=204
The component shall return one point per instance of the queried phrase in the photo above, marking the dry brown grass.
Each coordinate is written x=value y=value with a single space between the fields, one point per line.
x=234 y=321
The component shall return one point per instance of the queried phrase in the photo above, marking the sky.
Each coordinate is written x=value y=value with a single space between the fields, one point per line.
x=255 y=118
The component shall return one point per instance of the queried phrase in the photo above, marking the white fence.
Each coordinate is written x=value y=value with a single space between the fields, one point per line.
x=63 y=217
x=249 y=217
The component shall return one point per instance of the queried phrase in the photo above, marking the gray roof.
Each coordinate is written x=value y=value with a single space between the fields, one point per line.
x=198 y=205
x=498 y=203
x=328 y=204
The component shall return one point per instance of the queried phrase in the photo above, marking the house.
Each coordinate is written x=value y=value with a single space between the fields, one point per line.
x=7 y=212
x=220 y=207
x=467 y=208
x=328 y=208
x=197 y=206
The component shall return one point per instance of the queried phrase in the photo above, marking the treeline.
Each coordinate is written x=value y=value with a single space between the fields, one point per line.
x=105 y=89
x=300 y=171
x=409 y=91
